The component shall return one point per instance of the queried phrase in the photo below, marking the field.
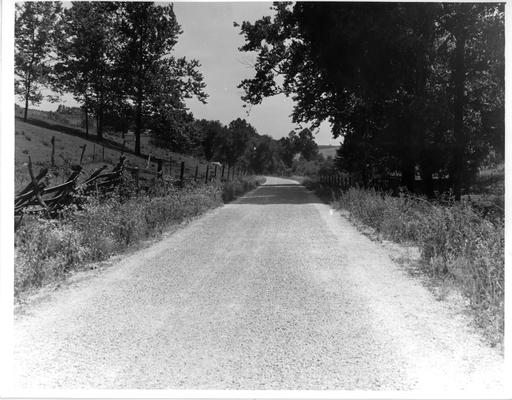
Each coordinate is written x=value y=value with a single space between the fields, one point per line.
x=328 y=151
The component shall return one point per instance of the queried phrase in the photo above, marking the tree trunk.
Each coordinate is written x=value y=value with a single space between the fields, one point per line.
x=86 y=122
x=27 y=96
x=138 y=122
x=459 y=73
x=407 y=171
x=428 y=181
x=99 y=119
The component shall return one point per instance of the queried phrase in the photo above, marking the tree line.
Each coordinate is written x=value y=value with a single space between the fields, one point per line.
x=410 y=88
x=116 y=59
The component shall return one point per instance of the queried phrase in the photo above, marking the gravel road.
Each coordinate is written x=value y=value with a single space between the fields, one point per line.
x=273 y=291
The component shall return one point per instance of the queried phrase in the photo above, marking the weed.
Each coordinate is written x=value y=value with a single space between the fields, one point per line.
x=233 y=189
x=47 y=250
x=457 y=242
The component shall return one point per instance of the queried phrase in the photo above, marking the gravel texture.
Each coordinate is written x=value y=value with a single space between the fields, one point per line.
x=273 y=291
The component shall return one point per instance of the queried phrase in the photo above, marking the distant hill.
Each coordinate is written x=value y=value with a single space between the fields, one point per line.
x=327 y=150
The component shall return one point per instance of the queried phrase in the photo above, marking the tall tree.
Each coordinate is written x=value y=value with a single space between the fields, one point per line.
x=172 y=80
x=287 y=148
x=377 y=73
x=306 y=145
x=474 y=37
x=148 y=34
x=211 y=133
x=34 y=29
x=86 y=50
x=264 y=157
x=237 y=140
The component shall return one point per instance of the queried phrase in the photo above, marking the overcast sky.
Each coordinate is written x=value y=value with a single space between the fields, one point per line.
x=210 y=37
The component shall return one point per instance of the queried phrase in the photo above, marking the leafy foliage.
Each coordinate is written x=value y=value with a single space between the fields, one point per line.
x=35 y=27
x=155 y=83
x=408 y=86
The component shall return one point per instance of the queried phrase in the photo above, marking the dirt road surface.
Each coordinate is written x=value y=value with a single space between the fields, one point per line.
x=273 y=291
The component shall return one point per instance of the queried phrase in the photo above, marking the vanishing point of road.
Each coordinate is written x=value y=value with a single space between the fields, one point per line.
x=272 y=291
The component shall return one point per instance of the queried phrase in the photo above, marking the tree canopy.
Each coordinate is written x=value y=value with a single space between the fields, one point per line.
x=407 y=86
x=35 y=26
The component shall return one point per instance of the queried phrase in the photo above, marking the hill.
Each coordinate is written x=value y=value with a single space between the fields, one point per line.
x=328 y=151
x=34 y=140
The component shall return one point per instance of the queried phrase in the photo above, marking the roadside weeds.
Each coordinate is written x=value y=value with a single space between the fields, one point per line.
x=458 y=252
x=47 y=251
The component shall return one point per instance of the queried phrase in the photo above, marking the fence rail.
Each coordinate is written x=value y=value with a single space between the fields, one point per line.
x=36 y=197
x=390 y=183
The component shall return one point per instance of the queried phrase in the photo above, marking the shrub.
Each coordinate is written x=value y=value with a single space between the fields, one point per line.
x=233 y=189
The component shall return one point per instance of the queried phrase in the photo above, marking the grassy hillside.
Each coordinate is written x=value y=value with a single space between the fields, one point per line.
x=35 y=141
x=328 y=151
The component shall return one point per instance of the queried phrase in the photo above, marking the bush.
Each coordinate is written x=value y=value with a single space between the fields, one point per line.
x=455 y=240
x=233 y=189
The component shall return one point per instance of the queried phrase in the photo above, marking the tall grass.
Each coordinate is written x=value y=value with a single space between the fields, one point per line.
x=47 y=250
x=457 y=243
x=235 y=188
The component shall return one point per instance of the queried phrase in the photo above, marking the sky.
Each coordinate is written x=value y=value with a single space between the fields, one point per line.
x=210 y=37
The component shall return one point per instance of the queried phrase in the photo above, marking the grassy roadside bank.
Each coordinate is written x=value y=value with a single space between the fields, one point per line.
x=47 y=251
x=457 y=244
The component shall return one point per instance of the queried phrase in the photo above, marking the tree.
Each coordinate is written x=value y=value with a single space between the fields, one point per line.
x=264 y=157
x=211 y=134
x=237 y=140
x=171 y=81
x=287 y=149
x=34 y=29
x=388 y=77
x=86 y=52
x=148 y=35
x=305 y=144
x=475 y=49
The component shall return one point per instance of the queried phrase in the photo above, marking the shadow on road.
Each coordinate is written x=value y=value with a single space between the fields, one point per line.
x=280 y=194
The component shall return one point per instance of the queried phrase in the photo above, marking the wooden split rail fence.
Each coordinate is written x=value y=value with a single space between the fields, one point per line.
x=36 y=197
x=179 y=173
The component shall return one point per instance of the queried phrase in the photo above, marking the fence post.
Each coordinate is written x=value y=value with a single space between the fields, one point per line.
x=103 y=154
x=222 y=174
x=182 y=171
x=207 y=170
x=215 y=172
x=53 y=151
x=195 y=175
x=149 y=160
x=159 y=171
x=82 y=155
x=227 y=175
